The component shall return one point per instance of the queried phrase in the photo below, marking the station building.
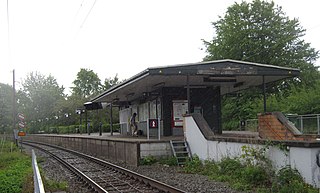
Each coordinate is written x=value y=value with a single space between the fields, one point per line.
x=186 y=99
x=168 y=93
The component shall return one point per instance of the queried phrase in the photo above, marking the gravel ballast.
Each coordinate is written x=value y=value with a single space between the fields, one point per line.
x=171 y=175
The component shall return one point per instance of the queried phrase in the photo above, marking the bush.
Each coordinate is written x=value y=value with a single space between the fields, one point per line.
x=290 y=180
x=211 y=169
x=148 y=160
x=171 y=161
x=287 y=175
x=251 y=172
x=255 y=176
x=106 y=127
x=230 y=166
x=194 y=165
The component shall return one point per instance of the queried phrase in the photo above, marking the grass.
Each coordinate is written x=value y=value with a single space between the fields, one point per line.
x=16 y=174
x=149 y=160
x=15 y=167
x=258 y=178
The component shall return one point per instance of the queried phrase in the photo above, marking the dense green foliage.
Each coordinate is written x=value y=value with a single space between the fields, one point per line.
x=109 y=82
x=244 y=174
x=55 y=186
x=38 y=98
x=260 y=32
x=14 y=170
x=45 y=105
x=16 y=173
x=77 y=129
x=150 y=160
x=5 y=108
x=86 y=84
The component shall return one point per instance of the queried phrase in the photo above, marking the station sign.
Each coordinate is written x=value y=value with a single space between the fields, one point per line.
x=21 y=125
x=21 y=133
x=153 y=123
x=21 y=116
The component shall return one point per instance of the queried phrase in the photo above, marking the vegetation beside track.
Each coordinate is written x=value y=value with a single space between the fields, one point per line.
x=253 y=175
x=15 y=169
x=16 y=174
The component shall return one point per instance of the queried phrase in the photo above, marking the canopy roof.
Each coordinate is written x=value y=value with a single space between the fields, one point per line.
x=230 y=75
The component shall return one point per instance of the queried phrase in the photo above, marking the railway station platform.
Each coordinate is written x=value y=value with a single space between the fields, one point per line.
x=120 y=137
x=123 y=148
x=116 y=147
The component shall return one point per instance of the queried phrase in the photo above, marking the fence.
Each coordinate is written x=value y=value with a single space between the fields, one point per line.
x=249 y=125
x=38 y=185
x=307 y=124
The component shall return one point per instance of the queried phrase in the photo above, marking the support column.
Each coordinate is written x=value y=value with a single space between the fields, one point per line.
x=86 y=117
x=111 y=125
x=100 y=124
x=264 y=95
x=188 y=95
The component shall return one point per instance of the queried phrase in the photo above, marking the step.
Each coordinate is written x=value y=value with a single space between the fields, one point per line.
x=182 y=152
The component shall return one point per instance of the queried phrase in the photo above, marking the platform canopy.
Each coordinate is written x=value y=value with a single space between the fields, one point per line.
x=230 y=75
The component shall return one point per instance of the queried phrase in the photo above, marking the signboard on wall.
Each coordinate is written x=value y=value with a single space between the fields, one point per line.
x=124 y=115
x=153 y=123
x=180 y=108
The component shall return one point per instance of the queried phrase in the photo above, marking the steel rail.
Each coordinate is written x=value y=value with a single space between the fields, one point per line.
x=91 y=183
x=149 y=181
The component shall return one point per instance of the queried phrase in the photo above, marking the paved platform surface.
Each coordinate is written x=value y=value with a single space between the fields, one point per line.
x=121 y=137
x=118 y=137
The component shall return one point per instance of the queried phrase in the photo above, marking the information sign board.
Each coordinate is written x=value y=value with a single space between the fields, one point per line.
x=21 y=133
x=153 y=123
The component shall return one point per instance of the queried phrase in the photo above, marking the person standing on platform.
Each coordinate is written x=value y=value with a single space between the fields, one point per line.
x=133 y=124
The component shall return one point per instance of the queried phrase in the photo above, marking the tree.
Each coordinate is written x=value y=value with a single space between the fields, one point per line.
x=261 y=32
x=37 y=100
x=68 y=108
x=86 y=84
x=5 y=108
x=109 y=82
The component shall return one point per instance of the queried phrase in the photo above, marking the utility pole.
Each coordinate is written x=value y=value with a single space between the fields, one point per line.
x=14 y=114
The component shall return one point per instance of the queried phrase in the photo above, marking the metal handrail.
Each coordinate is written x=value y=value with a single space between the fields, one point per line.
x=38 y=185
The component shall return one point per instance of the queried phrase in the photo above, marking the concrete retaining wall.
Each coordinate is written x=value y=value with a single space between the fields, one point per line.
x=155 y=149
x=300 y=155
x=122 y=151
x=129 y=152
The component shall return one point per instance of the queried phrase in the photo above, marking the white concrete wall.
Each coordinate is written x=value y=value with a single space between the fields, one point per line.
x=160 y=149
x=303 y=159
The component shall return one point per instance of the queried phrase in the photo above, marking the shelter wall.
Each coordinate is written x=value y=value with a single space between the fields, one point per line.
x=208 y=99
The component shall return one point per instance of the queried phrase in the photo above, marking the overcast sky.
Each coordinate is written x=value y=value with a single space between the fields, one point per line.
x=123 y=37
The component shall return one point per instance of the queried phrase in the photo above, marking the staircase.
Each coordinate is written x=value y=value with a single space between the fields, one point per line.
x=181 y=151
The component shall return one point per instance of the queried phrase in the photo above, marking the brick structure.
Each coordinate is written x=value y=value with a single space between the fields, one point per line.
x=274 y=126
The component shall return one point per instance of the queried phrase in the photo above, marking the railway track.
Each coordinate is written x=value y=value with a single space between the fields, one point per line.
x=102 y=176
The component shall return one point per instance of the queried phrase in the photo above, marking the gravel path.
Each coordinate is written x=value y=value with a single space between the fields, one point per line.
x=172 y=175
